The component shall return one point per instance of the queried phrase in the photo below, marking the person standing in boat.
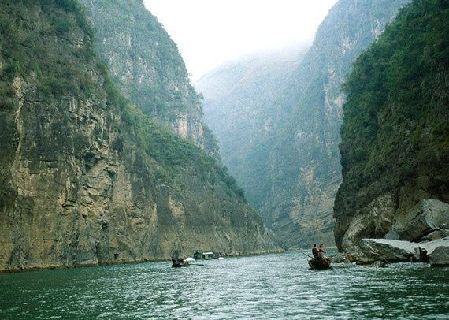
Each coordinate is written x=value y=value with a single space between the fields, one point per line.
x=315 y=251
x=321 y=252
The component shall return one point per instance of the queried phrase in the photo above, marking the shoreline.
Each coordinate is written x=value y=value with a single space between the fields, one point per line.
x=90 y=264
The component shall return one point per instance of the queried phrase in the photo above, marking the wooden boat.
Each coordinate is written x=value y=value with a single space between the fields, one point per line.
x=177 y=263
x=320 y=263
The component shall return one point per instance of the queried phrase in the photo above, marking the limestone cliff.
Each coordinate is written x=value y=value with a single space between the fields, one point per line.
x=395 y=134
x=85 y=176
x=146 y=65
x=294 y=175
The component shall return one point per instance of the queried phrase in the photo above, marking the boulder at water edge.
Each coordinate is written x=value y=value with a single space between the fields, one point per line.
x=440 y=257
x=368 y=251
x=428 y=216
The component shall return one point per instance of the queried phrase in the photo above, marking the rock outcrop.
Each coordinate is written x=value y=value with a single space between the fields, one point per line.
x=413 y=236
x=395 y=133
x=440 y=257
x=85 y=176
x=368 y=251
x=430 y=216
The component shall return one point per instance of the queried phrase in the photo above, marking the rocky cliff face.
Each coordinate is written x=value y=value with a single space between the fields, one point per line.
x=306 y=185
x=395 y=133
x=296 y=173
x=86 y=177
x=146 y=65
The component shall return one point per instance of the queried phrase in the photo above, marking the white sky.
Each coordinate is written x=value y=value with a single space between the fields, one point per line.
x=211 y=32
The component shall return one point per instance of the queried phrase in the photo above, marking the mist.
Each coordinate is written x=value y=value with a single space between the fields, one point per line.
x=209 y=33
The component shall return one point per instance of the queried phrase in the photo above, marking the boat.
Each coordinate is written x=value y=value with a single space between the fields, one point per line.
x=177 y=263
x=320 y=263
x=208 y=255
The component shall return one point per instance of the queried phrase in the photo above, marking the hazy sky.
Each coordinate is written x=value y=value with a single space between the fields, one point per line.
x=211 y=32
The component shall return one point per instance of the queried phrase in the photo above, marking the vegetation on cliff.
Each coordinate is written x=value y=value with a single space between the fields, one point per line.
x=86 y=176
x=143 y=59
x=395 y=134
x=145 y=64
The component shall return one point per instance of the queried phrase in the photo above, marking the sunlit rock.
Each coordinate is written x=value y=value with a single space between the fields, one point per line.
x=440 y=256
x=367 y=251
x=428 y=216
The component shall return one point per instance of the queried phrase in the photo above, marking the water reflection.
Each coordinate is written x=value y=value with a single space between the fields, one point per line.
x=264 y=287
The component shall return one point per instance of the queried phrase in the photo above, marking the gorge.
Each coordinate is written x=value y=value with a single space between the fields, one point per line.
x=116 y=168
x=107 y=155
x=277 y=119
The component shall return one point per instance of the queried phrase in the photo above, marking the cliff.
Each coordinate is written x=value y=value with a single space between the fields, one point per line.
x=145 y=64
x=395 y=134
x=242 y=106
x=85 y=176
x=293 y=176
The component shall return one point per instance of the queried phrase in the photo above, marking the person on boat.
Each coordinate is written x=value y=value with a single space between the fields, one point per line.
x=321 y=252
x=315 y=251
x=176 y=262
x=180 y=262
x=321 y=249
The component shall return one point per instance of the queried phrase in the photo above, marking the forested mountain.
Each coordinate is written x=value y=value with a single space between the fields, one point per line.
x=85 y=176
x=145 y=64
x=299 y=167
x=395 y=134
x=243 y=102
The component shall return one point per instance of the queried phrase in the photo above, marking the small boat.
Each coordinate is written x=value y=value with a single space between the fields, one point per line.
x=177 y=263
x=320 y=263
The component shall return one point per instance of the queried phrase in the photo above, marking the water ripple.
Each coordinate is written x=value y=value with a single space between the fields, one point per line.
x=264 y=287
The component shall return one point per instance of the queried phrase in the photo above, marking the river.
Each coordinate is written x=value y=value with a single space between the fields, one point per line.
x=277 y=286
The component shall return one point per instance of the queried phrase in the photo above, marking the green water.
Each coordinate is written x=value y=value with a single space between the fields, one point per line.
x=264 y=287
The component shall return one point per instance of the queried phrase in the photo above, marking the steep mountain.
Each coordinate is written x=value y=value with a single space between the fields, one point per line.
x=300 y=165
x=307 y=159
x=85 y=176
x=242 y=106
x=395 y=134
x=145 y=64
